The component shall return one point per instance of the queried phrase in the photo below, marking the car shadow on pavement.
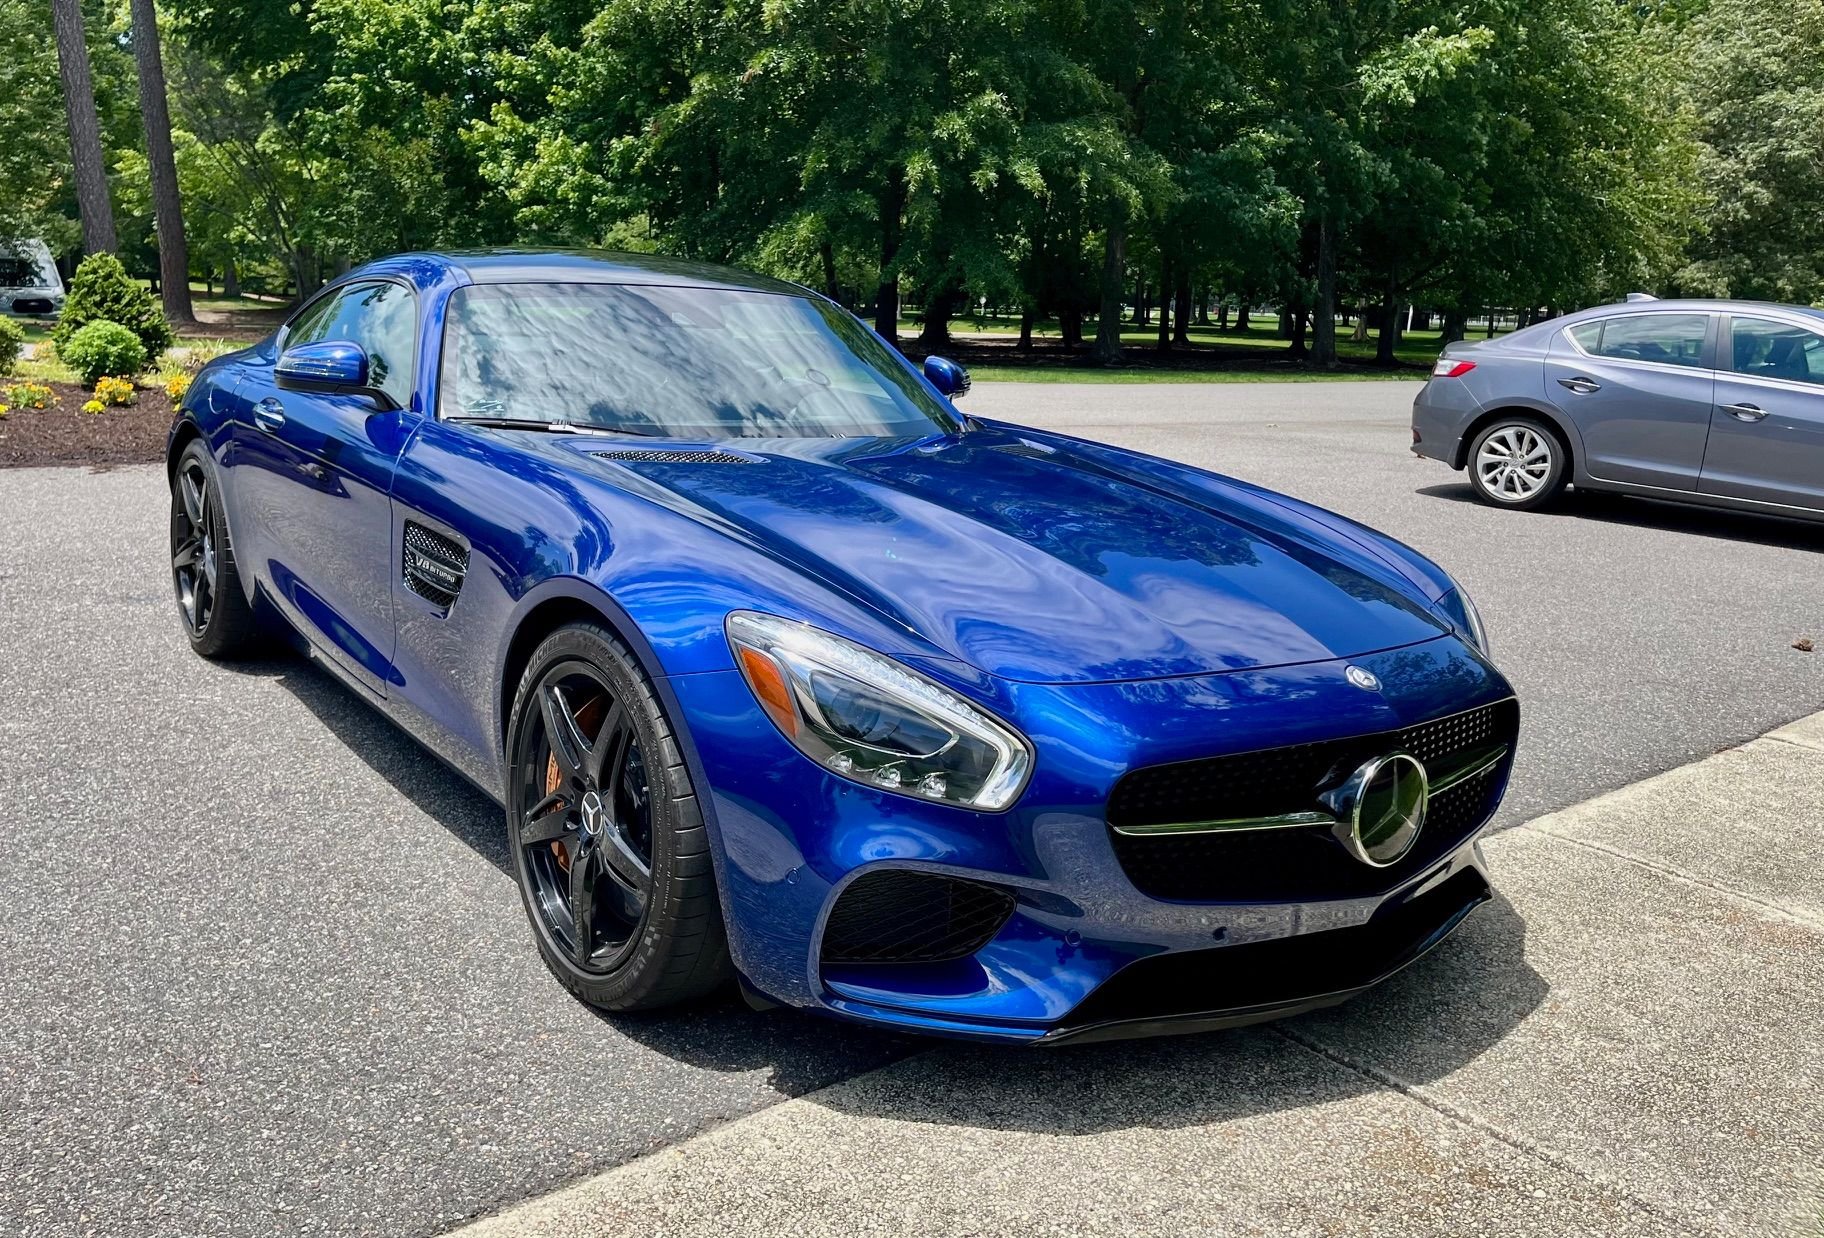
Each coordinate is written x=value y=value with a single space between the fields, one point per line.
x=1420 y=1026
x=1768 y=530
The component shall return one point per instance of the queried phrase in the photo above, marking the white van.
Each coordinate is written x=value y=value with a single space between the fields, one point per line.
x=29 y=283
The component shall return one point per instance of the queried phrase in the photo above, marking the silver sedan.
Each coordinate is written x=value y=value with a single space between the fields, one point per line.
x=1712 y=402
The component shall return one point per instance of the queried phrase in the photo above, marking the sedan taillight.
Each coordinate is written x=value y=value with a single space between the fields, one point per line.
x=1451 y=367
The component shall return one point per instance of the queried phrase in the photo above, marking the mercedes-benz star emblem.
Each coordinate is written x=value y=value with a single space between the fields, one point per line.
x=592 y=813
x=1362 y=678
x=1380 y=808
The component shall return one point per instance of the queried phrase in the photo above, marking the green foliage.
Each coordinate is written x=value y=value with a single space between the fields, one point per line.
x=12 y=343
x=102 y=292
x=103 y=349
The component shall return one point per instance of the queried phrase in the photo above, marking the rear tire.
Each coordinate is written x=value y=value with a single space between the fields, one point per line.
x=607 y=837
x=215 y=612
x=1518 y=463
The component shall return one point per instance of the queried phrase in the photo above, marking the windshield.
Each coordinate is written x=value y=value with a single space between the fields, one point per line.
x=675 y=362
x=21 y=272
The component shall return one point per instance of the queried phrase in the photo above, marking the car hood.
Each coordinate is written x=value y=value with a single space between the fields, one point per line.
x=1034 y=558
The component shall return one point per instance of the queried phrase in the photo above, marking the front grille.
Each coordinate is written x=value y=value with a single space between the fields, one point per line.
x=627 y=456
x=31 y=305
x=908 y=917
x=1289 y=865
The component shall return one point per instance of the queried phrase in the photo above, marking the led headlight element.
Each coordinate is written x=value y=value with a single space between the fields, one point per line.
x=874 y=720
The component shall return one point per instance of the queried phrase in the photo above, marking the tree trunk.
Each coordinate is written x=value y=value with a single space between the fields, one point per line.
x=1222 y=316
x=1390 y=328
x=1301 y=323
x=231 y=281
x=827 y=252
x=1025 y=344
x=1203 y=306
x=886 y=297
x=1181 y=311
x=167 y=204
x=1140 y=319
x=85 y=129
x=940 y=307
x=1070 y=326
x=1241 y=314
x=1456 y=323
x=1164 y=341
x=1285 y=322
x=1323 y=321
x=1107 y=348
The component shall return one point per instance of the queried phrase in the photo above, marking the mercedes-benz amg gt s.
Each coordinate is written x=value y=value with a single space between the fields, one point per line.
x=785 y=669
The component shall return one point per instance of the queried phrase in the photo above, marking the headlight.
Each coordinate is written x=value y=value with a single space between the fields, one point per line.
x=1462 y=615
x=875 y=721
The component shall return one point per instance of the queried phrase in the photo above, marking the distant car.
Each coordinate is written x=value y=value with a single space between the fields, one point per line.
x=29 y=283
x=783 y=666
x=1713 y=402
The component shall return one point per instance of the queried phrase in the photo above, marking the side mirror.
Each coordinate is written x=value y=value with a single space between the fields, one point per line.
x=334 y=367
x=947 y=376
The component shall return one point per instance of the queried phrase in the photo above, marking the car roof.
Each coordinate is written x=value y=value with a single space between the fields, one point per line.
x=597 y=266
x=1684 y=305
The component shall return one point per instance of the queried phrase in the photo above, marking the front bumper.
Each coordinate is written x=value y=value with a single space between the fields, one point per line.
x=1072 y=959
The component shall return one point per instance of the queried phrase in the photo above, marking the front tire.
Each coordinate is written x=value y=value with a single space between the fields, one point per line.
x=216 y=615
x=1517 y=463
x=607 y=836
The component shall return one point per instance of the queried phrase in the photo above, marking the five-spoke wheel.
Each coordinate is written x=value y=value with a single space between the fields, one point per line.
x=608 y=840
x=215 y=611
x=1516 y=463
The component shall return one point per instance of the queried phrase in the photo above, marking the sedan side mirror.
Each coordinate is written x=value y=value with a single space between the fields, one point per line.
x=334 y=367
x=947 y=376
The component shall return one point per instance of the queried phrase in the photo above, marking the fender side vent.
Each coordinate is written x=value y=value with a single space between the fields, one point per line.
x=632 y=456
x=435 y=565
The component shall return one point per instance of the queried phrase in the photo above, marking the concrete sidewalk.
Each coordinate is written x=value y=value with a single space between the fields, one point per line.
x=1629 y=1041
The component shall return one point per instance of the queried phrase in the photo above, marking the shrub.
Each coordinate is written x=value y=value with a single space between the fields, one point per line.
x=30 y=395
x=93 y=406
x=12 y=343
x=102 y=292
x=103 y=350
x=115 y=392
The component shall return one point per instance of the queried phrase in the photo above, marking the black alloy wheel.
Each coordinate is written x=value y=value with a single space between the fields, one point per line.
x=608 y=841
x=216 y=614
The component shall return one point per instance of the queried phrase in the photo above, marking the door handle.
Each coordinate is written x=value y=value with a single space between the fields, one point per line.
x=269 y=415
x=1745 y=412
x=1582 y=386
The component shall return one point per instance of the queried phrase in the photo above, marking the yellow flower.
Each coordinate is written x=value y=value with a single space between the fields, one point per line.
x=93 y=406
x=177 y=386
x=114 y=391
x=4 y=410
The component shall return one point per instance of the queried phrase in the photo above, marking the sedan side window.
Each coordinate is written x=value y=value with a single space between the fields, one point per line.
x=1668 y=339
x=382 y=318
x=1764 y=348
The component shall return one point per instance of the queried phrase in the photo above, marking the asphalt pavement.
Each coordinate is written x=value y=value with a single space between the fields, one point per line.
x=262 y=970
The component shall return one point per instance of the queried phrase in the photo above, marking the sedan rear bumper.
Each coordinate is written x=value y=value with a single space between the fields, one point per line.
x=1441 y=415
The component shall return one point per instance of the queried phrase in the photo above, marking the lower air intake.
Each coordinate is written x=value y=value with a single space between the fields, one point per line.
x=907 y=917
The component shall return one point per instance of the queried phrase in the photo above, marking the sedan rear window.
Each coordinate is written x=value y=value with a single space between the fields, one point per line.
x=1669 y=339
x=676 y=362
x=1769 y=349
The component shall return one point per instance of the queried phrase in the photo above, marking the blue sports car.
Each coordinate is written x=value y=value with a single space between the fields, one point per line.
x=787 y=670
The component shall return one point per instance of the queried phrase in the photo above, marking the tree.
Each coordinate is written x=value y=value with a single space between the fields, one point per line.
x=84 y=127
x=1755 y=82
x=167 y=202
x=34 y=158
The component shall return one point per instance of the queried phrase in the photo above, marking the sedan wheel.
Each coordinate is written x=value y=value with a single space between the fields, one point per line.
x=608 y=840
x=1518 y=464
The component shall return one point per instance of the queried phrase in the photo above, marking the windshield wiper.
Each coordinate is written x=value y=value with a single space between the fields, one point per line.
x=544 y=427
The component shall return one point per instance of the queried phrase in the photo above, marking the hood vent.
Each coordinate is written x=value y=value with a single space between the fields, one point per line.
x=634 y=456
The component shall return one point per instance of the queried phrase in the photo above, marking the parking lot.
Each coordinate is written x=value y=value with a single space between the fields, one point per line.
x=263 y=971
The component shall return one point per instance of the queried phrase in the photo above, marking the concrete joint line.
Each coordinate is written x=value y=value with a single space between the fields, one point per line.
x=1774 y=910
x=1778 y=738
x=1477 y=1122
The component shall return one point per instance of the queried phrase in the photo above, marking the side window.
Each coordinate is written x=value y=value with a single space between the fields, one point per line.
x=382 y=318
x=1669 y=339
x=1768 y=349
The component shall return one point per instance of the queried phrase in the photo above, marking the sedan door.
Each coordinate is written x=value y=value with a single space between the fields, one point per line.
x=1767 y=428
x=1639 y=388
x=315 y=473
